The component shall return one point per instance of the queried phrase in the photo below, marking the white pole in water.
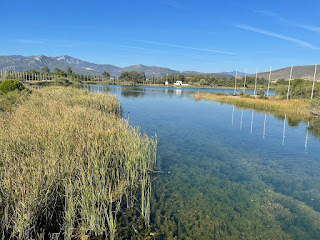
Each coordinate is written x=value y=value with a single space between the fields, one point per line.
x=307 y=134
x=241 y=120
x=245 y=80
x=251 y=123
x=235 y=83
x=269 y=81
x=232 y=116
x=264 y=126
x=314 y=80
x=284 y=129
x=255 y=83
x=289 y=83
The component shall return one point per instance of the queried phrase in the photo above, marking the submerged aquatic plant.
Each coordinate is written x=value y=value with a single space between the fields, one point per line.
x=66 y=161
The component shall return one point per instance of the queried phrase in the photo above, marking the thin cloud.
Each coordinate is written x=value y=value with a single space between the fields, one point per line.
x=142 y=48
x=280 y=36
x=289 y=22
x=186 y=47
x=308 y=27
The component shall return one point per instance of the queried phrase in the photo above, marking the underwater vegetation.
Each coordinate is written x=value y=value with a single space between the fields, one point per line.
x=219 y=192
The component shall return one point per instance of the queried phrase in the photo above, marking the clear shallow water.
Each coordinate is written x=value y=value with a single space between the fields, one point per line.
x=228 y=173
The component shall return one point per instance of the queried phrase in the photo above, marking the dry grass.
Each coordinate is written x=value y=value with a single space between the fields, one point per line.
x=66 y=161
x=292 y=106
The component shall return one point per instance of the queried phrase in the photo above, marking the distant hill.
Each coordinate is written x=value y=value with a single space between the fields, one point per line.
x=21 y=63
x=305 y=72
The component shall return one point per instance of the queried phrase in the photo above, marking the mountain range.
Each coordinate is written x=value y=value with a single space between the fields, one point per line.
x=22 y=63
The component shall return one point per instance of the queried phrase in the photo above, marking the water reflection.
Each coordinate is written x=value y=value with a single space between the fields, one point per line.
x=307 y=135
x=264 y=126
x=284 y=129
x=292 y=121
x=251 y=128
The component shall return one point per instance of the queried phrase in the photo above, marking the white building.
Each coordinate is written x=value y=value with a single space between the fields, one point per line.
x=179 y=83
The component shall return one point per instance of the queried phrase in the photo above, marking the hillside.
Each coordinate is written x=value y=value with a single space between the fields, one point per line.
x=305 y=72
x=21 y=63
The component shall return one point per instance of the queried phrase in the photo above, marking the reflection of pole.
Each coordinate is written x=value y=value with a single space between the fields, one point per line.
x=289 y=83
x=241 y=120
x=307 y=134
x=269 y=81
x=232 y=115
x=284 y=129
x=251 y=123
x=264 y=126
x=314 y=80
x=255 y=83
x=235 y=83
x=245 y=80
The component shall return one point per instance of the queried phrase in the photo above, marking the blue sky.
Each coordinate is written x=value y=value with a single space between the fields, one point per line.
x=207 y=36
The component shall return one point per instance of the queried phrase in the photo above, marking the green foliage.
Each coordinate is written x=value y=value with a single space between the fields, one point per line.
x=133 y=76
x=261 y=94
x=11 y=85
x=11 y=99
x=69 y=71
x=299 y=88
x=62 y=80
x=45 y=70
x=106 y=74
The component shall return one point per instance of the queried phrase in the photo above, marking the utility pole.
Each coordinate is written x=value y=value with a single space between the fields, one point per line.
x=235 y=83
x=245 y=80
x=314 y=80
x=289 y=83
x=255 y=83
x=269 y=81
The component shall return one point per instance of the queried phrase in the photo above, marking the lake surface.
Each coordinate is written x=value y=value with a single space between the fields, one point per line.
x=227 y=173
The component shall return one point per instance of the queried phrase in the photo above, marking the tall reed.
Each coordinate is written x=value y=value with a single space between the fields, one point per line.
x=294 y=106
x=66 y=161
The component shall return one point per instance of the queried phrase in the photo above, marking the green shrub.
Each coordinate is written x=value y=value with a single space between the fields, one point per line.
x=11 y=85
x=315 y=106
x=261 y=94
x=62 y=80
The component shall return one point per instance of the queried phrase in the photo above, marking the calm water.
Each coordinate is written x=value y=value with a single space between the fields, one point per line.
x=227 y=173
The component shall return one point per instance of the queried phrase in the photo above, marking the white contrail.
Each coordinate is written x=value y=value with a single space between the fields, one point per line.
x=280 y=36
x=186 y=47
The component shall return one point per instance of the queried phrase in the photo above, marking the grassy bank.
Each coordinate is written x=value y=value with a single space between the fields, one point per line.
x=292 y=106
x=66 y=163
